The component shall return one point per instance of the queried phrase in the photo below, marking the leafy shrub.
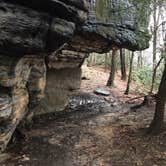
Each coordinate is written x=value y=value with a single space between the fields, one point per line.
x=143 y=76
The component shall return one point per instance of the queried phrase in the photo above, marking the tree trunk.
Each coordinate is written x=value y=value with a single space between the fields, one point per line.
x=123 y=64
x=140 y=60
x=155 y=24
x=105 y=63
x=112 y=73
x=154 y=75
x=157 y=124
x=130 y=74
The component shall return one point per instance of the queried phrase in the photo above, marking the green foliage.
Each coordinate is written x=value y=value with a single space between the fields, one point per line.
x=143 y=76
x=142 y=15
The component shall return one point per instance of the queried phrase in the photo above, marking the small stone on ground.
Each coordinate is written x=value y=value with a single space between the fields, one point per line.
x=102 y=92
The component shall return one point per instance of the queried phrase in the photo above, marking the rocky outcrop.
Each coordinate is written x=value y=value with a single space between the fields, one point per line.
x=59 y=84
x=63 y=76
x=37 y=68
x=113 y=23
x=29 y=31
x=14 y=94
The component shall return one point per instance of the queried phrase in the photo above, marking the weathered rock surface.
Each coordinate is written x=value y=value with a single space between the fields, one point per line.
x=27 y=31
x=66 y=59
x=70 y=10
x=58 y=86
x=113 y=23
x=17 y=90
x=102 y=92
x=37 y=71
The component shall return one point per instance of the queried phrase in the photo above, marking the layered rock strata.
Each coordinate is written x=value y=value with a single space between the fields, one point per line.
x=110 y=23
x=29 y=31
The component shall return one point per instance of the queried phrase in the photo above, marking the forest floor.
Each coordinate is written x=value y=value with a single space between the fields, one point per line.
x=93 y=134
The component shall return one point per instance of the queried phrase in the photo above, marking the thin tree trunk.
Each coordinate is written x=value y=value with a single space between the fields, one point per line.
x=127 y=53
x=156 y=19
x=123 y=64
x=154 y=32
x=112 y=73
x=154 y=49
x=105 y=63
x=140 y=60
x=157 y=124
x=130 y=75
x=154 y=75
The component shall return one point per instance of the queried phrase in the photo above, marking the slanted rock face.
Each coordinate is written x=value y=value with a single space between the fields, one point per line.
x=37 y=68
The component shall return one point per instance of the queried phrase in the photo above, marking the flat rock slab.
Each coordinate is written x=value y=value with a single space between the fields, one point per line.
x=102 y=92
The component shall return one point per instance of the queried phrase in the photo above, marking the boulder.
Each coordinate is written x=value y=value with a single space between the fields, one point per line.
x=102 y=92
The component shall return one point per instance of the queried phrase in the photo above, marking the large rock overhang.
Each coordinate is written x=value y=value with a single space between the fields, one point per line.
x=42 y=26
x=35 y=27
x=111 y=23
x=71 y=10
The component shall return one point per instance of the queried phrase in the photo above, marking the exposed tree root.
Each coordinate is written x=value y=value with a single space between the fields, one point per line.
x=148 y=100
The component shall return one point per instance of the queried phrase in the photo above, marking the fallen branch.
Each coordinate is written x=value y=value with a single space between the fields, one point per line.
x=135 y=98
x=139 y=97
x=146 y=102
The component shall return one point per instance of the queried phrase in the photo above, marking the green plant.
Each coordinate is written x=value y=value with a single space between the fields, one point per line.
x=142 y=76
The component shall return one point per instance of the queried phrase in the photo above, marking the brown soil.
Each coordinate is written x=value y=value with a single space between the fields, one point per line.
x=109 y=139
x=97 y=78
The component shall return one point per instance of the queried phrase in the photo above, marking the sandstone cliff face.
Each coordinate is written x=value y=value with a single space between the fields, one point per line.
x=29 y=31
x=37 y=68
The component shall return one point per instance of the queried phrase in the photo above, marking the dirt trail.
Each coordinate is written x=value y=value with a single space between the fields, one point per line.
x=92 y=134
x=97 y=78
